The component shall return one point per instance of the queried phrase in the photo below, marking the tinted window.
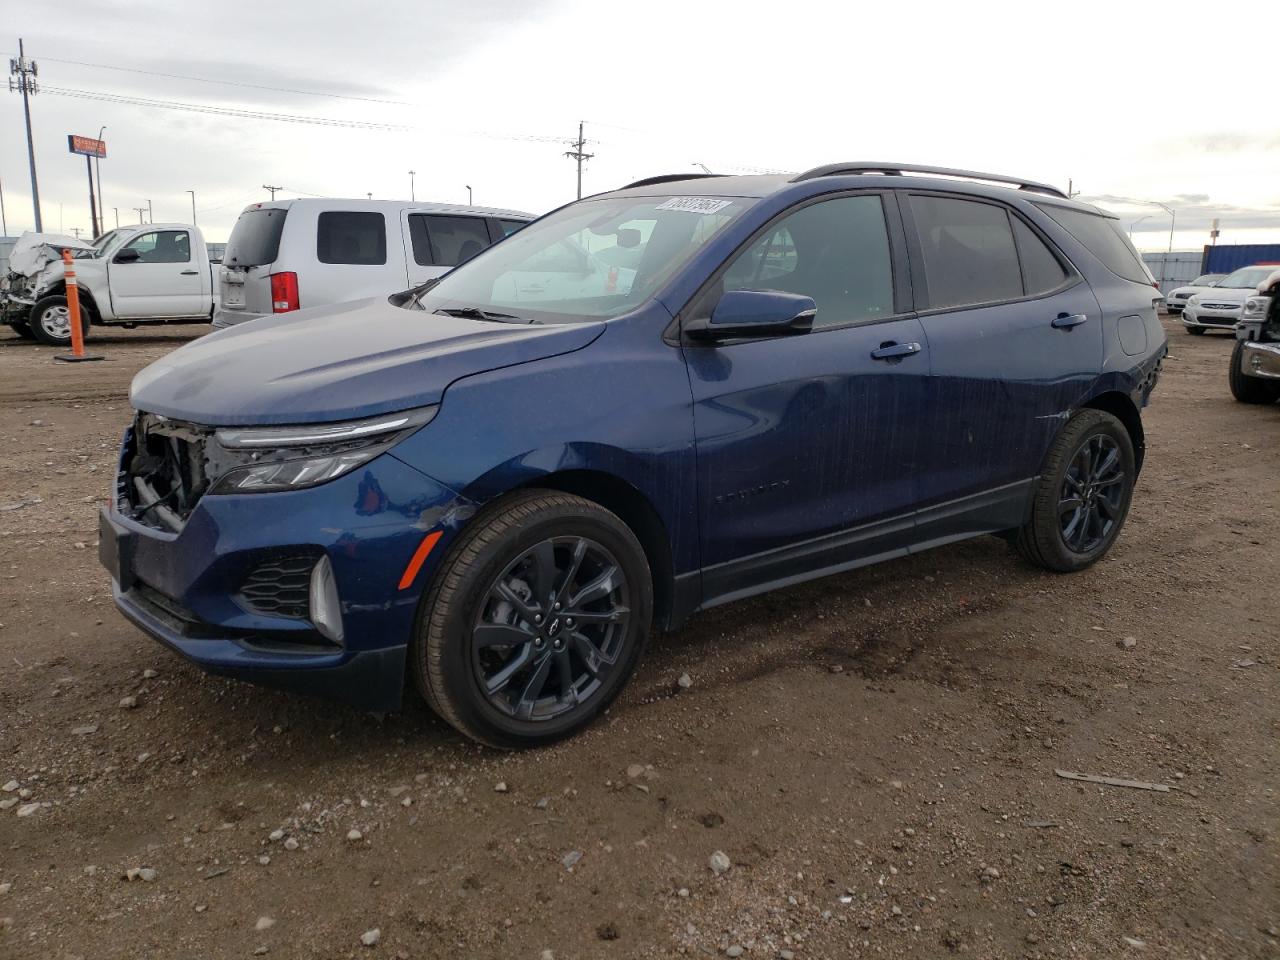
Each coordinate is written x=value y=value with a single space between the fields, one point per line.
x=1105 y=240
x=446 y=241
x=348 y=237
x=836 y=252
x=255 y=239
x=511 y=226
x=969 y=255
x=1041 y=270
x=162 y=246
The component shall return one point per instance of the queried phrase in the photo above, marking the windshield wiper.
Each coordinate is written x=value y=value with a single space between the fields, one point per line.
x=475 y=313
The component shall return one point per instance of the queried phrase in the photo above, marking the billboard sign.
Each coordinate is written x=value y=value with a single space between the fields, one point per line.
x=86 y=146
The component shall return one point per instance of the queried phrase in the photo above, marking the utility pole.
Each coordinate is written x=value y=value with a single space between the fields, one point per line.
x=4 y=223
x=141 y=211
x=272 y=189
x=193 y=207
x=577 y=154
x=26 y=71
x=76 y=231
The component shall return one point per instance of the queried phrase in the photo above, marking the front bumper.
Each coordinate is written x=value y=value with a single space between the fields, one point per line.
x=187 y=590
x=1260 y=360
x=1214 y=319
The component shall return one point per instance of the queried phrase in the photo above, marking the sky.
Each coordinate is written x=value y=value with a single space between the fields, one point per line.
x=488 y=94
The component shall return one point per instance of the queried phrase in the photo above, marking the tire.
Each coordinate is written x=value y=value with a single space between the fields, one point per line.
x=1080 y=462
x=1195 y=331
x=1249 y=389
x=50 y=323
x=21 y=329
x=492 y=587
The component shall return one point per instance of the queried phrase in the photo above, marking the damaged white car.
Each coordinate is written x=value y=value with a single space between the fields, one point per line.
x=147 y=273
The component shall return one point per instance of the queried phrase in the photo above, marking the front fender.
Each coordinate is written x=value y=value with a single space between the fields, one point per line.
x=621 y=406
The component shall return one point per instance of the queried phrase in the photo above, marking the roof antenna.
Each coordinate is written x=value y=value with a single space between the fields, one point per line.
x=704 y=168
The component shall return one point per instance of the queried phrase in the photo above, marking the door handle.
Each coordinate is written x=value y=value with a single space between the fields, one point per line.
x=190 y=273
x=893 y=351
x=1065 y=321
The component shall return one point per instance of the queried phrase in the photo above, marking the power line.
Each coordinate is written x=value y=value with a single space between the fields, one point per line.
x=218 y=111
x=229 y=83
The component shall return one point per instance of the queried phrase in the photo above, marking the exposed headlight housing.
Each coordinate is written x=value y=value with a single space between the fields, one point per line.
x=1255 y=308
x=266 y=459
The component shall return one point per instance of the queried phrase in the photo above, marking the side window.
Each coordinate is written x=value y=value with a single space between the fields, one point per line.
x=162 y=246
x=511 y=226
x=1104 y=238
x=350 y=237
x=836 y=252
x=445 y=241
x=1041 y=270
x=969 y=255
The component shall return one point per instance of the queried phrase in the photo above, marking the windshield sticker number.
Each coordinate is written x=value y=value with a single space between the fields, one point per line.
x=703 y=205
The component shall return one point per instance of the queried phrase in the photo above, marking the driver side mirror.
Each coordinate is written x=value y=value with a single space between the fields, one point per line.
x=757 y=313
x=127 y=256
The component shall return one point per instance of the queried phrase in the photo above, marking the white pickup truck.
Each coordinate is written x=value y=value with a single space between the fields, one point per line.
x=148 y=273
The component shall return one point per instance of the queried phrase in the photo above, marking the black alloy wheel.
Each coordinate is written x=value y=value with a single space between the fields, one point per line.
x=551 y=628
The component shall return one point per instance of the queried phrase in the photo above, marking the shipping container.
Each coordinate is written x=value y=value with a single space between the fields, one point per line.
x=1226 y=257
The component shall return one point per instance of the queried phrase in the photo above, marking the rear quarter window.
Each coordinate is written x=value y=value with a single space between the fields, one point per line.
x=1105 y=240
x=255 y=239
x=351 y=237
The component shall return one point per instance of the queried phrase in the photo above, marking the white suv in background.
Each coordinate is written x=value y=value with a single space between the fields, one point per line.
x=1220 y=307
x=288 y=254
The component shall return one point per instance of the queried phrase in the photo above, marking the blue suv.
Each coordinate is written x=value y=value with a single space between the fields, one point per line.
x=643 y=404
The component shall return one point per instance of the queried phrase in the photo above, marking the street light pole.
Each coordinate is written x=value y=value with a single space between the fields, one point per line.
x=193 y=207
x=469 y=201
x=1135 y=223
x=412 y=190
x=116 y=211
x=150 y=216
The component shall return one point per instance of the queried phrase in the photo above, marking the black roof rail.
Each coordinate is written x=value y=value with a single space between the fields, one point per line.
x=898 y=169
x=669 y=178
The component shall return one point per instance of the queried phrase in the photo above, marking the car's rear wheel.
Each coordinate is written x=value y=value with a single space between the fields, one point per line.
x=1195 y=331
x=535 y=620
x=1249 y=389
x=50 y=321
x=1083 y=494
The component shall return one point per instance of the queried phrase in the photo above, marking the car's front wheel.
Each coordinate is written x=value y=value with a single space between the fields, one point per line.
x=50 y=321
x=1082 y=496
x=1249 y=389
x=535 y=620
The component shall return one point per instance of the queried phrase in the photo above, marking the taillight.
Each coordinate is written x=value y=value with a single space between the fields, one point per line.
x=284 y=292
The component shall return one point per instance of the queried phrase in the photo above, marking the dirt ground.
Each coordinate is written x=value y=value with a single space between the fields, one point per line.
x=875 y=753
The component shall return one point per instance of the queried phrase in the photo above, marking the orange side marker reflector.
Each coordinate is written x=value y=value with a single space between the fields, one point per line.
x=419 y=557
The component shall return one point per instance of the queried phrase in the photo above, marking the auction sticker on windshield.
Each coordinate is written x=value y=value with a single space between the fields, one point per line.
x=694 y=204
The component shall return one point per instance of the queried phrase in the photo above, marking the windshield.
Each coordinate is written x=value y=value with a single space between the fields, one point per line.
x=1247 y=277
x=592 y=260
x=1206 y=280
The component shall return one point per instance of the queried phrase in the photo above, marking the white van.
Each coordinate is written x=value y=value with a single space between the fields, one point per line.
x=288 y=254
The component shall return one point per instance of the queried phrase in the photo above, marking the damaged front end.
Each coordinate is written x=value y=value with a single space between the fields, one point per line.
x=168 y=465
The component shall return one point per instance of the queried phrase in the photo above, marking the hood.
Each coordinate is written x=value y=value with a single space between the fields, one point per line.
x=1189 y=291
x=34 y=251
x=336 y=363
